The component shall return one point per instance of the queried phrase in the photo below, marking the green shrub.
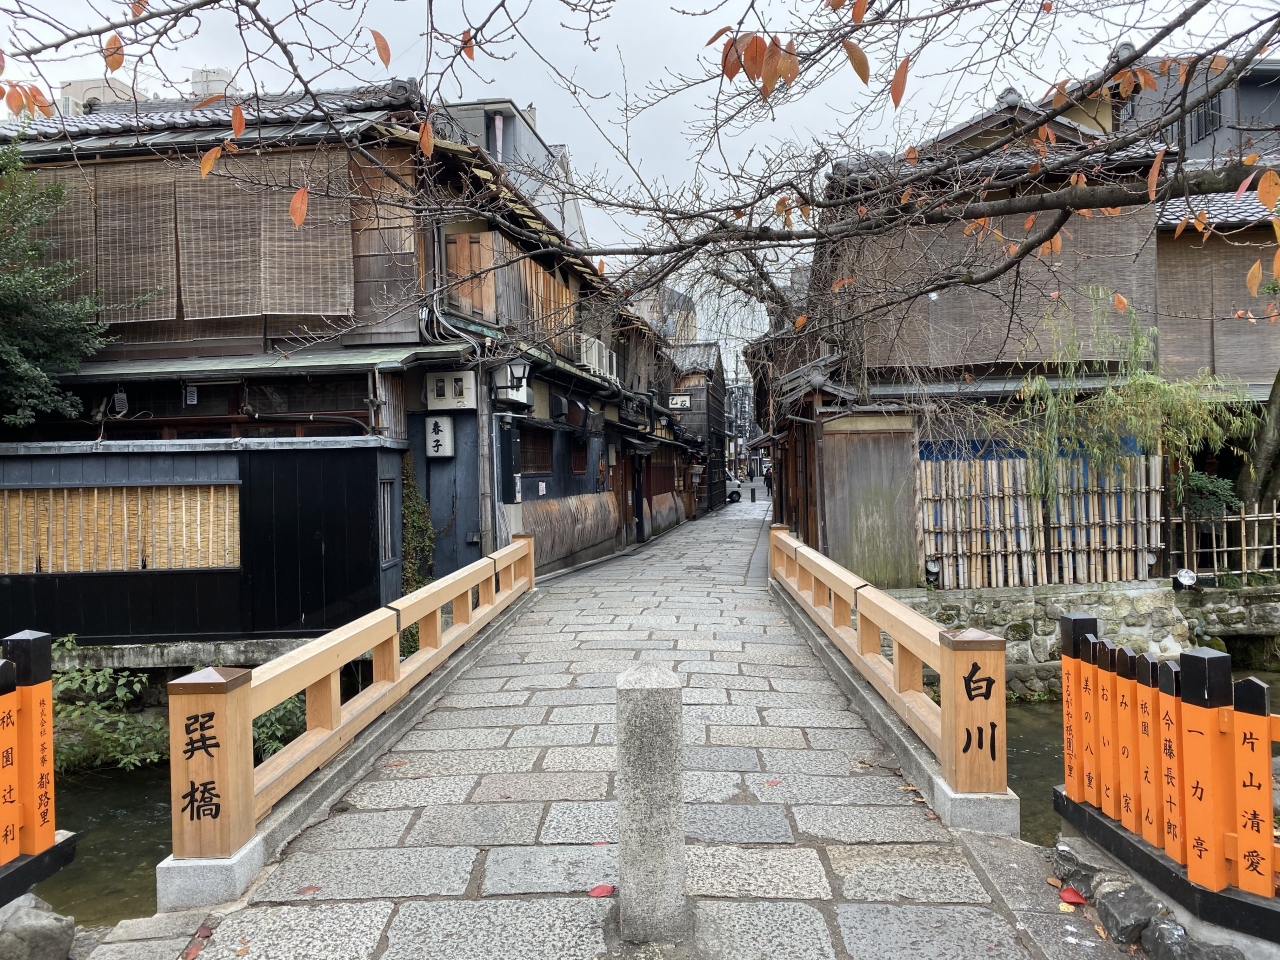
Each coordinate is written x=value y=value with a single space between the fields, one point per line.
x=278 y=727
x=98 y=721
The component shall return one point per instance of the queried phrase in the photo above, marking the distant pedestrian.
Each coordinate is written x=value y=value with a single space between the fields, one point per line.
x=768 y=481
x=751 y=474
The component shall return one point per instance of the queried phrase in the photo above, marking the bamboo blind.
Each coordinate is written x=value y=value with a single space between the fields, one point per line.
x=70 y=232
x=137 y=241
x=985 y=527
x=220 y=242
x=307 y=271
x=87 y=529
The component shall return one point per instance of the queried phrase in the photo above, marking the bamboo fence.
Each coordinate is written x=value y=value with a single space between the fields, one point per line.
x=1233 y=545
x=985 y=526
x=96 y=529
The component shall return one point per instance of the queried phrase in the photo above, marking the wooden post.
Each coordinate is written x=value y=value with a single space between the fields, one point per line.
x=10 y=818
x=1149 y=783
x=1073 y=628
x=324 y=702
x=386 y=655
x=1089 y=720
x=841 y=611
x=32 y=656
x=211 y=762
x=868 y=634
x=974 y=737
x=1127 y=739
x=1251 y=739
x=527 y=563
x=775 y=550
x=430 y=630
x=486 y=592
x=1169 y=745
x=1208 y=787
x=462 y=608
x=804 y=580
x=504 y=577
x=1108 y=730
x=908 y=669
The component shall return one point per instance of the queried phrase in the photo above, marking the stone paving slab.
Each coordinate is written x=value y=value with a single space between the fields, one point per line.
x=806 y=788
x=561 y=929
x=482 y=739
x=448 y=763
x=737 y=823
x=542 y=786
x=869 y=824
x=908 y=932
x=355 y=831
x=385 y=794
x=343 y=875
x=558 y=869
x=590 y=822
x=777 y=873
x=762 y=931
x=933 y=873
x=476 y=824
x=334 y=931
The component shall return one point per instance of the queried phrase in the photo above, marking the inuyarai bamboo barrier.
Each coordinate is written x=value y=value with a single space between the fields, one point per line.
x=984 y=525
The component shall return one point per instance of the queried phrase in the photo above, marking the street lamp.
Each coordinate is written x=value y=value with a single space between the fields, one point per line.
x=519 y=372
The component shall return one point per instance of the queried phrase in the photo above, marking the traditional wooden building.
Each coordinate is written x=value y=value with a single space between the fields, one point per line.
x=239 y=467
x=700 y=379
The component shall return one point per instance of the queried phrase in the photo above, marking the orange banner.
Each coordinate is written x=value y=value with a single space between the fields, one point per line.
x=1253 y=808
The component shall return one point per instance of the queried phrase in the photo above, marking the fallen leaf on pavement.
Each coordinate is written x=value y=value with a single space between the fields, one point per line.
x=192 y=951
x=242 y=951
x=603 y=890
x=1101 y=932
x=397 y=763
x=303 y=891
x=1066 y=908
x=1053 y=882
x=930 y=815
x=205 y=931
x=601 y=843
x=772 y=783
x=1071 y=895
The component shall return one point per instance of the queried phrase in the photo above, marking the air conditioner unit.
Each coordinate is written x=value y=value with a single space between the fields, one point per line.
x=593 y=355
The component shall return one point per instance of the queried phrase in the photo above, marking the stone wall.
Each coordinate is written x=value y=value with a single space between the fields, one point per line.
x=1138 y=614
x=1240 y=612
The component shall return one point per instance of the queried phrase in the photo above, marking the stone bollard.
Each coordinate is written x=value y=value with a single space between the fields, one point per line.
x=651 y=862
x=753 y=493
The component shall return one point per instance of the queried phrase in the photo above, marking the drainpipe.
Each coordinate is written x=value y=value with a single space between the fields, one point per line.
x=818 y=380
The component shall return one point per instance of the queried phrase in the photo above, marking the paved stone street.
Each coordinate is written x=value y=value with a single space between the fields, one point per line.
x=478 y=836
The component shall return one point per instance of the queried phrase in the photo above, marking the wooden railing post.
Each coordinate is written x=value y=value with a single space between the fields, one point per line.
x=1251 y=739
x=775 y=549
x=462 y=608
x=974 y=734
x=324 y=701
x=211 y=762
x=841 y=611
x=32 y=656
x=10 y=819
x=527 y=562
x=486 y=592
x=1208 y=787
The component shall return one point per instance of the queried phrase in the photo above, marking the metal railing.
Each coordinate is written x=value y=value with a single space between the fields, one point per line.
x=966 y=729
x=219 y=796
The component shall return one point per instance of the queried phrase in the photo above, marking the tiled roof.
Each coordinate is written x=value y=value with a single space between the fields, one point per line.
x=144 y=119
x=1221 y=208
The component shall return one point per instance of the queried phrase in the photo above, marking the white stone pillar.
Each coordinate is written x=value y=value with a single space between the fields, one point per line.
x=651 y=867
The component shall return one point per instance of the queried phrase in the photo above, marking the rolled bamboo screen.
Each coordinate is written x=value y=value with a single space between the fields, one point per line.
x=96 y=529
x=137 y=241
x=71 y=233
x=220 y=241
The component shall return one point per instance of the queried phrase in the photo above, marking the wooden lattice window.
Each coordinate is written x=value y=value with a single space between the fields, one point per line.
x=535 y=450
x=96 y=529
x=578 y=457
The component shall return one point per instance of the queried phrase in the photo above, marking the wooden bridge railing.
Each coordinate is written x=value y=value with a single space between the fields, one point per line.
x=966 y=732
x=1175 y=752
x=219 y=796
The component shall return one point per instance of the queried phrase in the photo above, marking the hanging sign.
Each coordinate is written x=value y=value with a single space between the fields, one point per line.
x=439 y=436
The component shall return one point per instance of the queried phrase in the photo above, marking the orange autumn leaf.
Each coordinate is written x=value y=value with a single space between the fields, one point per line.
x=1269 y=190
x=1056 y=243
x=383 y=48
x=1254 y=277
x=1 y=63
x=1275 y=225
x=860 y=11
x=1217 y=64
x=1110 y=211
x=772 y=68
x=1153 y=175
x=14 y=101
x=1244 y=185
x=427 y=139
x=1047 y=6
x=841 y=284
x=718 y=34
x=1060 y=94
x=912 y=155
x=600 y=267
x=781 y=205
x=858 y=60
x=1250 y=160
x=298 y=207
x=753 y=58
x=113 y=52
x=731 y=58
x=468 y=45
x=237 y=121
x=790 y=68
x=137 y=8
x=835 y=4
x=40 y=101
x=804 y=210
x=1029 y=222
x=1182 y=225
x=1146 y=78
x=207 y=161
x=1120 y=302
x=208 y=100
x=899 y=85
x=802 y=320
x=1127 y=83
